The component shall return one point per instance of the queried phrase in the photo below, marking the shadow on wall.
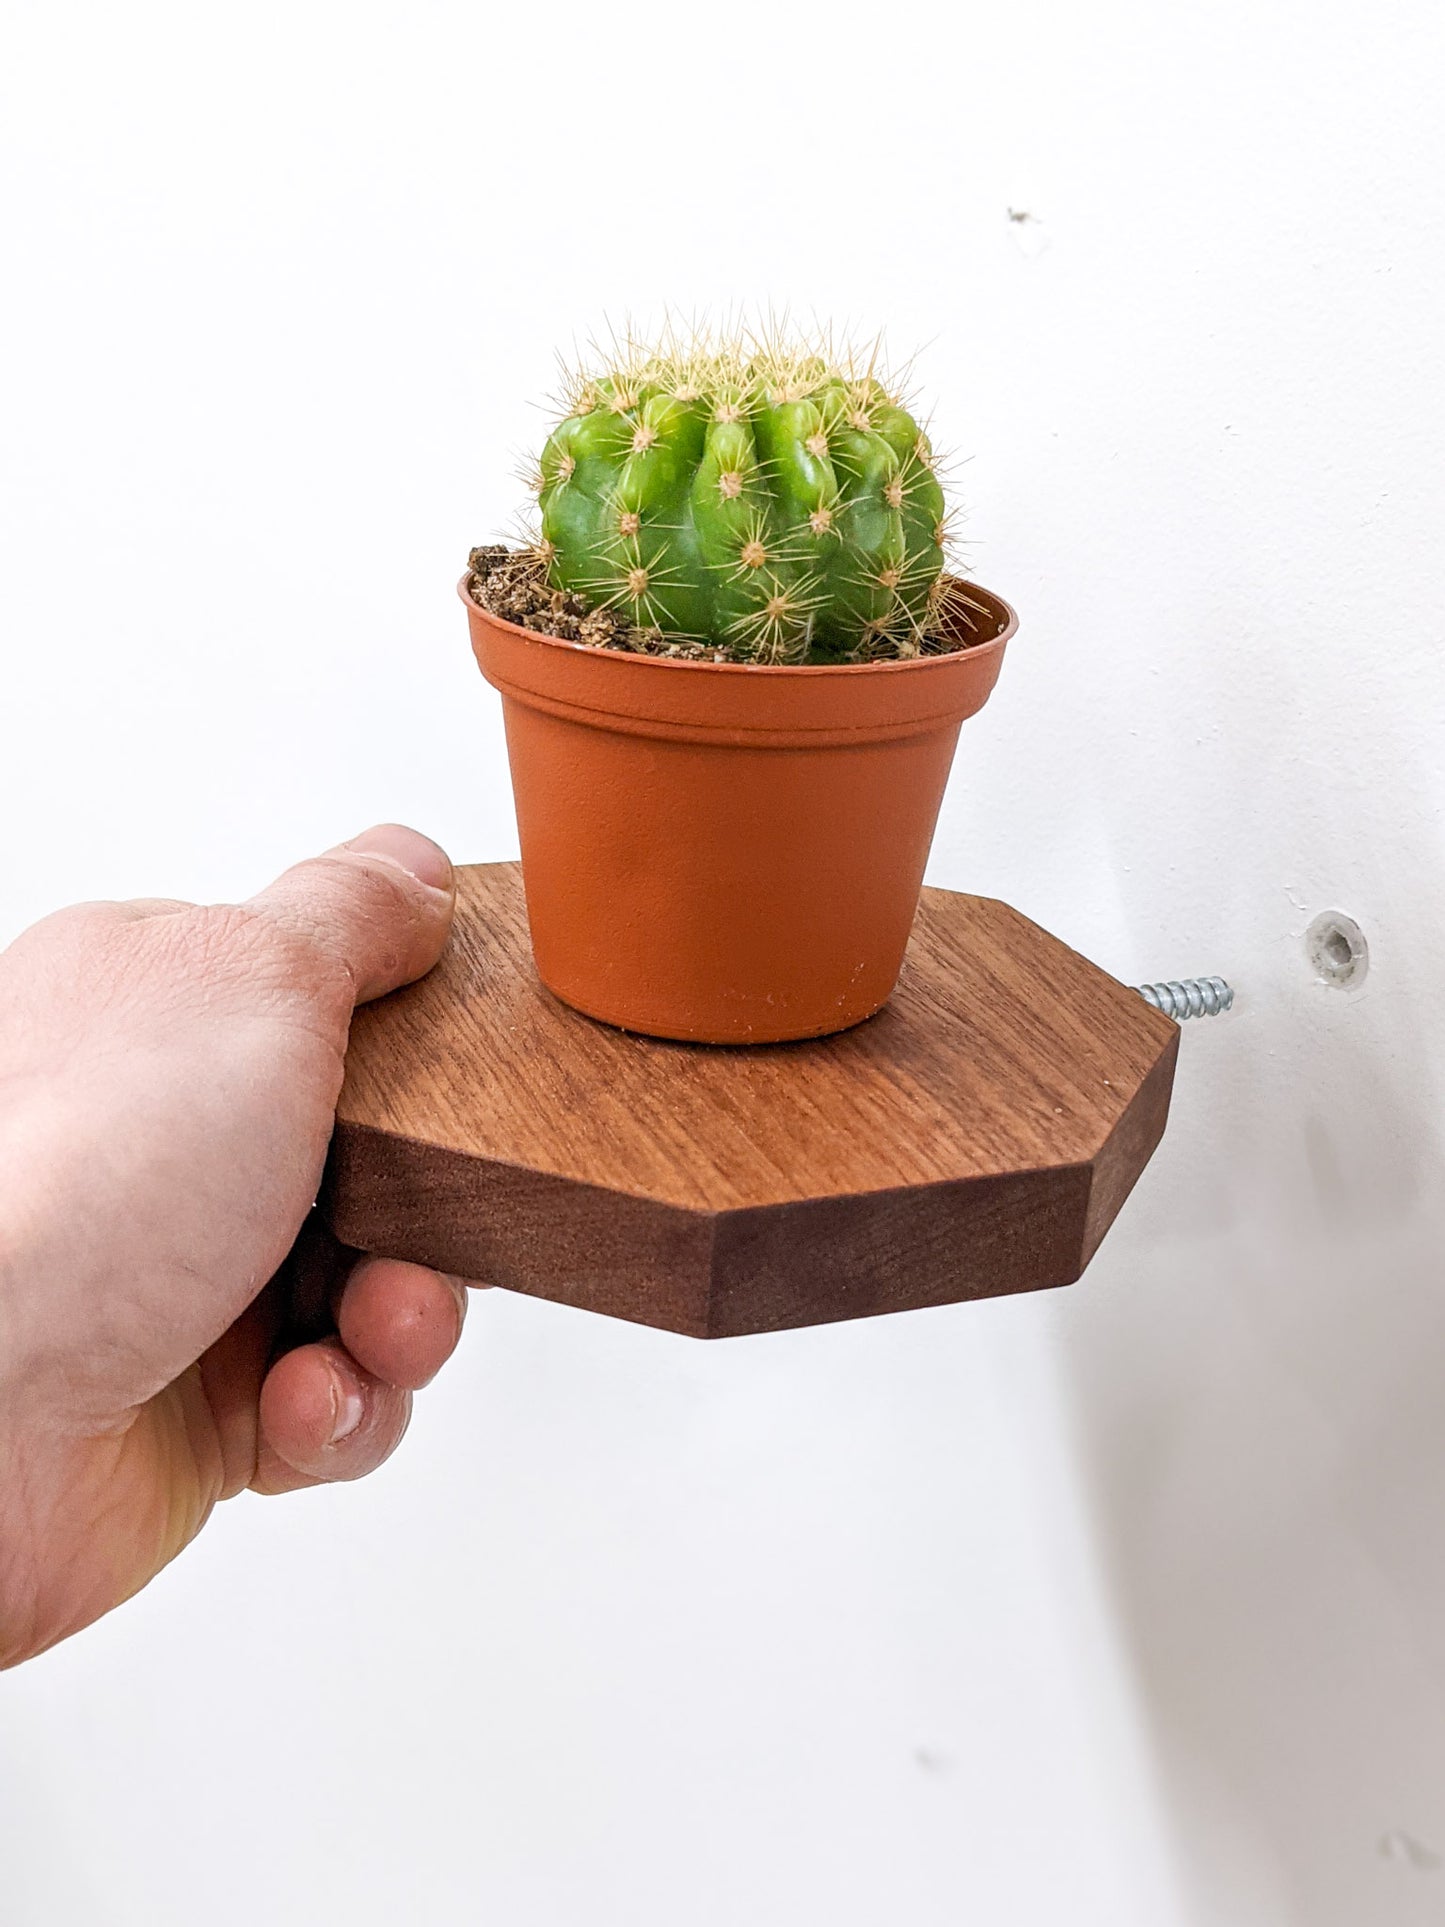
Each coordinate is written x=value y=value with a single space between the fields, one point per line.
x=1257 y=1365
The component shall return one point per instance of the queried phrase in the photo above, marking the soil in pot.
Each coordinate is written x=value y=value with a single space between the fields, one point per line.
x=512 y=584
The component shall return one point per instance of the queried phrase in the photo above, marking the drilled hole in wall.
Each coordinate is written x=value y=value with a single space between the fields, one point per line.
x=1336 y=947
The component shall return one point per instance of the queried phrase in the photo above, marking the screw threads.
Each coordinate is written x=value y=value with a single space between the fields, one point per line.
x=1194 y=997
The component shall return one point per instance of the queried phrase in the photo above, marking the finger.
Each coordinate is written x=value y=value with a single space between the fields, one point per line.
x=400 y=1322
x=382 y=904
x=323 y=1419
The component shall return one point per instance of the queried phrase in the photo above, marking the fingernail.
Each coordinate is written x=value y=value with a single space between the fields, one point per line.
x=348 y=1408
x=409 y=850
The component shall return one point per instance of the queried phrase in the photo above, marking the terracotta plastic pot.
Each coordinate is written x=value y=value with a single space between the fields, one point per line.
x=721 y=853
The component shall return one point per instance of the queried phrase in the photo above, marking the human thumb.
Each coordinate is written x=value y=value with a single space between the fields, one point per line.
x=381 y=905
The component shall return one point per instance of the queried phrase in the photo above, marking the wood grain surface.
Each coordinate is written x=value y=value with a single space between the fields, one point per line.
x=978 y=1136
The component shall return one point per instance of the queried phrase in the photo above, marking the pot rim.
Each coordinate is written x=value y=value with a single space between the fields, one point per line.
x=975 y=651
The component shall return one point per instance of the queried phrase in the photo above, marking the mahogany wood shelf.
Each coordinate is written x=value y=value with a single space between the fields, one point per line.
x=977 y=1137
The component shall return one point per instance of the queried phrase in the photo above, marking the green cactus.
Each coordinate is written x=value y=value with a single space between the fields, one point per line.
x=779 y=504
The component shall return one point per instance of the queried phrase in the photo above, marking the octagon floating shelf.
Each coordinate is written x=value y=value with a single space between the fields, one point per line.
x=977 y=1137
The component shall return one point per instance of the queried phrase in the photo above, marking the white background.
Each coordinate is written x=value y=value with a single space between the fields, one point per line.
x=1123 y=1606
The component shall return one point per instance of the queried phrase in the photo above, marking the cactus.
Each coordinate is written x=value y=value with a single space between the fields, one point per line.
x=778 y=503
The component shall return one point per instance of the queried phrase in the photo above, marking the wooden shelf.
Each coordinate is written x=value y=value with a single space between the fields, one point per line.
x=977 y=1137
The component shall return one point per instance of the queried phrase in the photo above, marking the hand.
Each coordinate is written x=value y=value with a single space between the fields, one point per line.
x=168 y=1079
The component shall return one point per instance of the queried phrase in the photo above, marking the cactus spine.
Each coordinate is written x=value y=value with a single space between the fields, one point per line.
x=779 y=503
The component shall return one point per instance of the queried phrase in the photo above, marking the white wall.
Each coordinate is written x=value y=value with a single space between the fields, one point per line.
x=1124 y=1605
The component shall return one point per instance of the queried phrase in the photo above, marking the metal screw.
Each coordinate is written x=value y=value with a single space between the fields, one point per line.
x=1193 y=997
